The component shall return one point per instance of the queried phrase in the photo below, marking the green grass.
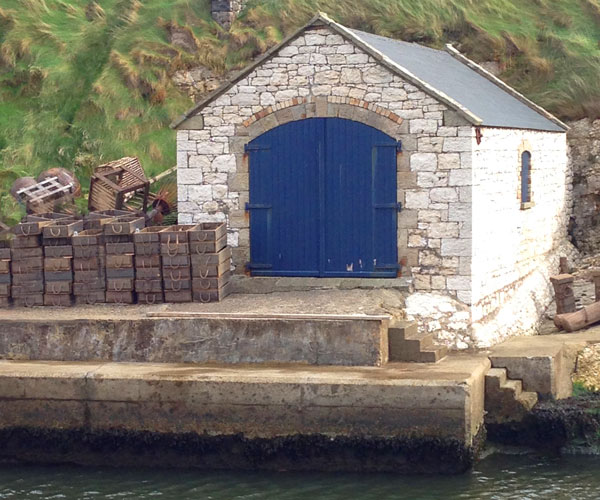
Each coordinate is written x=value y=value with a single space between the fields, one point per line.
x=83 y=82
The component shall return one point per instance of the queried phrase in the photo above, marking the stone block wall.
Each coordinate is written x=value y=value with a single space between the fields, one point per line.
x=320 y=74
x=225 y=11
x=516 y=246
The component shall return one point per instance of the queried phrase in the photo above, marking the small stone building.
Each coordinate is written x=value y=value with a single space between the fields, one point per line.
x=341 y=153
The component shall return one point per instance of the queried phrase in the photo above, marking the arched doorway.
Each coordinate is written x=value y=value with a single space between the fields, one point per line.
x=323 y=200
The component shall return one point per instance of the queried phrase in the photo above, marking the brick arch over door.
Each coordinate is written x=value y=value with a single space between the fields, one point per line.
x=322 y=107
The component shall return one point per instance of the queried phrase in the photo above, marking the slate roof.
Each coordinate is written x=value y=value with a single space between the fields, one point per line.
x=481 y=98
x=480 y=95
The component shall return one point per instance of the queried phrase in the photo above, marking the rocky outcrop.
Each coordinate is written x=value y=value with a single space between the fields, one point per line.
x=584 y=145
x=198 y=82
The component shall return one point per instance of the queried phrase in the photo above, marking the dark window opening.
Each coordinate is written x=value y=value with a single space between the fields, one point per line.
x=526 y=177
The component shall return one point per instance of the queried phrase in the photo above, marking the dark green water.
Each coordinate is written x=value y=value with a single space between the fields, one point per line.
x=497 y=477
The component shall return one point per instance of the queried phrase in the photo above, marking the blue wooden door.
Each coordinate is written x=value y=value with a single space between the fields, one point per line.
x=323 y=200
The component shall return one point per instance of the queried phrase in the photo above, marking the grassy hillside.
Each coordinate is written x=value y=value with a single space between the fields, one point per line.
x=83 y=81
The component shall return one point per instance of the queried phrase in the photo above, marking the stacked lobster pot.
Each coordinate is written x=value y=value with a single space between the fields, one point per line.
x=58 y=261
x=148 y=268
x=89 y=280
x=211 y=262
x=27 y=262
x=120 y=252
x=176 y=264
x=5 y=276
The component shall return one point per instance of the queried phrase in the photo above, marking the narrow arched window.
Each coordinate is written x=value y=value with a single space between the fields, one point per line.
x=525 y=178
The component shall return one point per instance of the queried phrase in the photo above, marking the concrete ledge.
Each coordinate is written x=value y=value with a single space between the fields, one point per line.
x=544 y=363
x=444 y=401
x=262 y=285
x=354 y=341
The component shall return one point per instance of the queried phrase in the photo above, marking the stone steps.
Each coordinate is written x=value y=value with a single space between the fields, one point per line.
x=505 y=399
x=408 y=345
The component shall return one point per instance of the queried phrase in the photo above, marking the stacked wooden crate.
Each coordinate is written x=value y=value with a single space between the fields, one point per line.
x=176 y=264
x=5 y=275
x=89 y=280
x=58 y=261
x=27 y=263
x=148 y=268
x=210 y=262
x=120 y=252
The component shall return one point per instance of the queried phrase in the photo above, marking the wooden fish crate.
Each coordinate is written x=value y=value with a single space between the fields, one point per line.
x=208 y=231
x=5 y=274
x=62 y=228
x=216 y=295
x=150 y=298
x=90 y=297
x=97 y=220
x=204 y=247
x=211 y=265
x=124 y=226
x=89 y=277
x=31 y=300
x=113 y=297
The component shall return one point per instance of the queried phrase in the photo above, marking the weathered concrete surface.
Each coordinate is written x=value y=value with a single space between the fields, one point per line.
x=442 y=401
x=544 y=363
x=260 y=285
x=349 y=342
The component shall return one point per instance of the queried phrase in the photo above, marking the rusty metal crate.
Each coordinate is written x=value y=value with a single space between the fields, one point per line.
x=26 y=266
x=58 y=300
x=149 y=273
x=206 y=296
x=150 y=298
x=148 y=286
x=183 y=296
x=204 y=247
x=120 y=297
x=90 y=298
x=144 y=261
x=32 y=300
x=124 y=226
x=204 y=284
x=58 y=251
x=119 y=249
x=26 y=242
x=207 y=231
x=62 y=228
x=54 y=264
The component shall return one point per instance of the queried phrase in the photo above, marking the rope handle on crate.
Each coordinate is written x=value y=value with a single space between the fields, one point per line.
x=53 y=233
x=175 y=279
x=202 y=298
x=169 y=251
x=27 y=304
x=176 y=288
x=205 y=275
x=120 y=229
x=150 y=302
x=115 y=289
x=89 y=300
x=25 y=233
x=205 y=287
x=200 y=252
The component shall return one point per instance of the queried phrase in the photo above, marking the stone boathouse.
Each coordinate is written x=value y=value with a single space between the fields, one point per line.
x=341 y=153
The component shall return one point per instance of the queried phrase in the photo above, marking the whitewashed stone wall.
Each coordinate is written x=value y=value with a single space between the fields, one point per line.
x=319 y=66
x=516 y=248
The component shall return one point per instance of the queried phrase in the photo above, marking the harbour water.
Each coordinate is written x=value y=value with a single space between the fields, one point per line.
x=498 y=477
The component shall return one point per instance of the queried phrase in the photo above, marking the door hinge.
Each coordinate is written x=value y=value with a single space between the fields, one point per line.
x=399 y=147
x=257 y=206
x=399 y=207
x=255 y=147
